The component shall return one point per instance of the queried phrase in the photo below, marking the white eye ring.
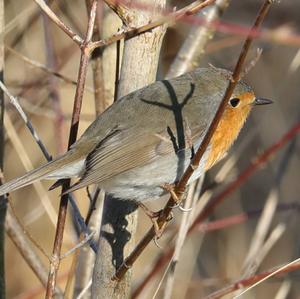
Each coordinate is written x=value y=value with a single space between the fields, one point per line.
x=234 y=102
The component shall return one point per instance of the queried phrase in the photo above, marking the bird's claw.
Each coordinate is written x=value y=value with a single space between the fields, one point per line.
x=182 y=209
x=155 y=240
x=153 y=216
x=176 y=194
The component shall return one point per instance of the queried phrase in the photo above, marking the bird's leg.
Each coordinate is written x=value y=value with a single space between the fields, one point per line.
x=153 y=217
x=177 y=196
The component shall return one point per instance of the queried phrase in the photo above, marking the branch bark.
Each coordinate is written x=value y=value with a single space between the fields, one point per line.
x=119 y=219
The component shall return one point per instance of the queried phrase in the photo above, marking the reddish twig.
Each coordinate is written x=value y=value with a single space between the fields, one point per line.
x=85 y=54
x=256 y=164
x=227 y=222
x=181 y=185
x=249 y=281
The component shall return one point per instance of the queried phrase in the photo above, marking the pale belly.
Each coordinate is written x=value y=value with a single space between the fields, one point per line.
x=145 y=183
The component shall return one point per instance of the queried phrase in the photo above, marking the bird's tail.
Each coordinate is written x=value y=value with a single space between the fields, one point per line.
x=52 y=169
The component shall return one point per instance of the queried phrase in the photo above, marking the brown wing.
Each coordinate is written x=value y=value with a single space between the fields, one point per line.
x=121 y=151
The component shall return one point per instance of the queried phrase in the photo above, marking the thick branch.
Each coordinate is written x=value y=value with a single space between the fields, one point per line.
x=119 y=219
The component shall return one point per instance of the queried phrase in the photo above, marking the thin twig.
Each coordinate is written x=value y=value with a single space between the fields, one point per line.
x=82 y=224
x=92 y=205
x=85 y=54
x=255 y=280
x=79 y=245
x=85 y=259
x=16 y=234
x=46 y=9
x=24 y=157
x=261 y=231
x=84 y=290
x=180 y=187
x=3 y=201
x=25 y=231
x=14 y=101
x=45 y=68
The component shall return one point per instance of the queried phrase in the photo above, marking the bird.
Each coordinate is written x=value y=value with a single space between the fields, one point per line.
x=147 y=138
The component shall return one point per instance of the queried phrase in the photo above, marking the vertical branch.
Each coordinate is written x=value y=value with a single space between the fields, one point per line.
x=85 y=54
x=3 y=203
x=86 y=258
x=119 y=217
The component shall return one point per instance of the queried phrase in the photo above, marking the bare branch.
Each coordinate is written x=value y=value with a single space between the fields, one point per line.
x=120 y=9
x=79 y=245
x=85 y=54
x=46 y=9
x=14 y=101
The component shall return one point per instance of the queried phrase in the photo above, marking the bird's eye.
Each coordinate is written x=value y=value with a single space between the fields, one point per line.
x=234 y=102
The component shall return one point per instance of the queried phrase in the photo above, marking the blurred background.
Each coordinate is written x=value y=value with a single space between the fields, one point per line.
x=251 y=238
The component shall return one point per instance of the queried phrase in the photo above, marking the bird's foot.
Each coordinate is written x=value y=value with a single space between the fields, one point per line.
x=177 y=195
x=153 y=216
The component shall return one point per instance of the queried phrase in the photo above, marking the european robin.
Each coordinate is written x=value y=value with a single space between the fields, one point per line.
x=146 y=139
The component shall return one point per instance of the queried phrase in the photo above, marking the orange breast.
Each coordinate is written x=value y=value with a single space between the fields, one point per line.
x=227 y=130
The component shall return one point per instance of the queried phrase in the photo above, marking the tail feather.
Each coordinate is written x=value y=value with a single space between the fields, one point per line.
x=39 y=173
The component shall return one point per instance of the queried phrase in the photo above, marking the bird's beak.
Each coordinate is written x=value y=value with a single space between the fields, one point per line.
x=262 y=101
